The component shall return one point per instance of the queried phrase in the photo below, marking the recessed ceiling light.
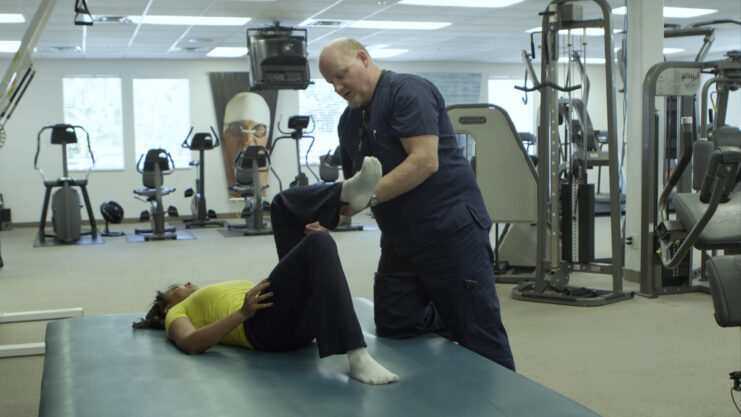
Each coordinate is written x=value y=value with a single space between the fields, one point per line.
x=675 y=12
x=380 y=53
x=227 y=52
x=330 y=23
x=189 y=20
x=12 y=18
x=389 y=24
x=9 y=46
x=59 y=49
x=461 y=3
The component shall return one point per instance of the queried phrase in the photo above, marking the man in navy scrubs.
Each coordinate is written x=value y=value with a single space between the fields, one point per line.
x=436 y=268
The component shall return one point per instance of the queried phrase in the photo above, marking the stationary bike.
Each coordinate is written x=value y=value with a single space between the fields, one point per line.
x=66 y=218
x=298 y=124
x=200 y=142
x=157 y=163
x=248 y=165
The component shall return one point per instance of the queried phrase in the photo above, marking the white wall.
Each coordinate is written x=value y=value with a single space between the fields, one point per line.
x=21 y=185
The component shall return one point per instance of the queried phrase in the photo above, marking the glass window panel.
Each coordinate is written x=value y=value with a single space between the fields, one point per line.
x=502 y=92
x=95 y=104
x=321 y=102
x=162 y=117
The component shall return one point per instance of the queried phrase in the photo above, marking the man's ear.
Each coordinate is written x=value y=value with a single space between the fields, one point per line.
x=364 y=58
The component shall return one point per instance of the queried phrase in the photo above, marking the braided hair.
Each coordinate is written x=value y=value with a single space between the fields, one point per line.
x=155 y=318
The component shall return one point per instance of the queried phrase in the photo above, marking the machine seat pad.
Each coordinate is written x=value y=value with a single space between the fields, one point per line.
x=99 y=366
x=724 y=276
x=243 y=190
x=151 y=193
x=723 y=231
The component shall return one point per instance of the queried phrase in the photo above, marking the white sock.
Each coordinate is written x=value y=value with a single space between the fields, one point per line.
x=366 y=370
x=358 y=190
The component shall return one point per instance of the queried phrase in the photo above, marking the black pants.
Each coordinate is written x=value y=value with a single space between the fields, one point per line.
x=311 y=298
x=447 y=287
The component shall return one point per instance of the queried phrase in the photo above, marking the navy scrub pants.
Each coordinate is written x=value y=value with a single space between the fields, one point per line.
x=446 y=288
x=311 y=298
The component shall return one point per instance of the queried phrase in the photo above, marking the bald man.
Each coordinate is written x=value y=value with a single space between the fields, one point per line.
x=436 y=270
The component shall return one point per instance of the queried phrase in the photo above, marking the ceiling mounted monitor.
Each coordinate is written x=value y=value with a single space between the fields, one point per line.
x=278 y=58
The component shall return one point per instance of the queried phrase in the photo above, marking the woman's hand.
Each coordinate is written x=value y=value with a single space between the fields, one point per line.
x=313 y=227
x=254 y=298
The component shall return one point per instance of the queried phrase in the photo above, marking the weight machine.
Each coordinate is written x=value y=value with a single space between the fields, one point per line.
x=565 y=203
x=666 y=262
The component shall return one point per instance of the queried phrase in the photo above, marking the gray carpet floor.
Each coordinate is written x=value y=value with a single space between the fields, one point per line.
x=641 y=357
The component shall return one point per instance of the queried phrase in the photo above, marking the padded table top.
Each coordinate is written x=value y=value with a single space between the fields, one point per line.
x=100 y=366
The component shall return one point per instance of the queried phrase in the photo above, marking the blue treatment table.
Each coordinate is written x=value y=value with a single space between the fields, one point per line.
x=99 y=366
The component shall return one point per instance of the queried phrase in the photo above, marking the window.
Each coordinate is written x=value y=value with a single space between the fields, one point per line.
x=502 y=92
x=321 y=102
x=95 y=104
x=162 y=117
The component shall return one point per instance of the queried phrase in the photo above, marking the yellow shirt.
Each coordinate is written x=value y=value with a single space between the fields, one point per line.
x=210 y=304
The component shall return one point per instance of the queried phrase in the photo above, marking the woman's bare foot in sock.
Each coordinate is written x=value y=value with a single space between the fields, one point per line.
x=366 y=370
x=358 y=190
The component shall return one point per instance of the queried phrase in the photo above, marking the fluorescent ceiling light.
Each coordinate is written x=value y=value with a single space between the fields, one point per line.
x=388 y=24
x=227 y=52
x=12 y=18
x=669 y=51
x=676 y=12
x=190 y=20
x=374 y=24
x=10 y=46
x=461 y=3
x=577 y=32
x=381 y=53
x=565 y=60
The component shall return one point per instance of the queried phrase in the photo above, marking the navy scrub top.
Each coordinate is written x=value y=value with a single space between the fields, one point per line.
x=406 y=105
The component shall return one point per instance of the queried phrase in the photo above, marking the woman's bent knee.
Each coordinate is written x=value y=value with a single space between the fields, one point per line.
x=320 y=239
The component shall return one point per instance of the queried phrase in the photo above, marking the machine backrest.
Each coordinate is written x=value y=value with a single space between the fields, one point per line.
x=154 y=159
x=202 y=141
x=504 y=170
x=249 y=160
x=723 y=136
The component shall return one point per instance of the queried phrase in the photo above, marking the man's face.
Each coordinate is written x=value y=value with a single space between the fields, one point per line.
x=347 y=74
x=248 y=133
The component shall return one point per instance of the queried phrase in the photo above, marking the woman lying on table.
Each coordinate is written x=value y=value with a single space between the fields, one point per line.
x=306 y=296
